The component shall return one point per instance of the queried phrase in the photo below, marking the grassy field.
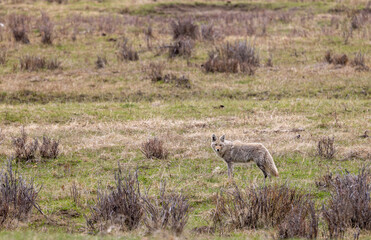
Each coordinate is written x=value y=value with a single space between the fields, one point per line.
x=102 y=115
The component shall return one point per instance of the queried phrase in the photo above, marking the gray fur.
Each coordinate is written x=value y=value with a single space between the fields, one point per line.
x=238 y=152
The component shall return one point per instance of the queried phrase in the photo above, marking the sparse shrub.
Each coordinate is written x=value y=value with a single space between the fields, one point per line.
x=359 y=62
x=18 y=24
x=17 y=195
x=3 y=56
x=101 y=62
x=25 y=150
x=75 y=193
x=209 y=33
x=181 y=47
x=49 y=148
x=177 y=81
x=121 y=207
x=324 y=181
x=326 y=148
x=155 y=71
x=233 y=57
x=148 y=33
x=336 y=59
x=126 y=52
x=154 y=148
x=255 y=208
x=46 y=27
x=349 y=205
x=184 y=29
x=34 y=63
x=169 y=211
x=301 y=221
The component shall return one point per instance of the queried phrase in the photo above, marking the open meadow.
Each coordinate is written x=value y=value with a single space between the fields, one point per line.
x=103 y=103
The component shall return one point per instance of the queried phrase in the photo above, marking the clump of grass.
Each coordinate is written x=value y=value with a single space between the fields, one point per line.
x=101 y=62
x=49 y=148
x=46 y=26
x=256 y=207
x=169 y=211
x=326 y=148
x=182 y=81
x=301 y=221
x=349 y=205
x=155 y=71
x=184 y=28
x=34 y=63
x=233 y=57
x=148 y=33
x=208 y=33
x=324 y=182
x=19 y=26
x=181 y=47
x=359 y=62
x=121 y=207
x=154 y=148
x=17 y=195
x=127 y=52
x=336 y=59
x=75 y=193
x=24 y=150
x=3 y=56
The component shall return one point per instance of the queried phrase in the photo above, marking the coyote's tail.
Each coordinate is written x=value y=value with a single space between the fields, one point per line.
x=271 y=167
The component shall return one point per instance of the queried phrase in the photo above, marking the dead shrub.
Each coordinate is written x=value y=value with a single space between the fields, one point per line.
x=49 y=148
x=101 y=62
x=233 y=57
x=208 y=33
x=301 y=221
x=3 y=56
x=75 y=193
x=24 y=150
x=169 y=211
x=154 y=148
x=121 y=207
x=324 y=182
x=155 y=71
x=326 y=148
x=19 y=26
x=359 y=62
x=337 y=59
x=46 y=26
x=34 y=63
x=181 y=47
x=350 y=203
x=17 y=195
x=184 y=28
x=255 y=208
x=126 y=52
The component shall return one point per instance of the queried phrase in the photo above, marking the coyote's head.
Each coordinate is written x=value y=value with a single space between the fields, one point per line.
x=217 y=144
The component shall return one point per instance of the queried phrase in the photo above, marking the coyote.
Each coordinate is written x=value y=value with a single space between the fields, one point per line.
x=238 y=152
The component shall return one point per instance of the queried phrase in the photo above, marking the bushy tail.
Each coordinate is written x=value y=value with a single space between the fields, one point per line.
x=270 y=166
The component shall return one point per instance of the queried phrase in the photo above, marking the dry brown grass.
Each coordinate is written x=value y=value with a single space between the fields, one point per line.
x=19 y=25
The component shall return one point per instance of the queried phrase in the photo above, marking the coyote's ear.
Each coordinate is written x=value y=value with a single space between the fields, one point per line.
x=222 y=138
x=213 y=138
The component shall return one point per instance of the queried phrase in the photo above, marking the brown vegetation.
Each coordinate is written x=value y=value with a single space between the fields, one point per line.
x=25 y=150
x=49 y=148
x=19 y=25
x=326 y=148
x=154 y=148
x=34 y=63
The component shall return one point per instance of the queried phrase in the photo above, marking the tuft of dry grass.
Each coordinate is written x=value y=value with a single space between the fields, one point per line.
x=336 y=59
x=359 y=62
x=19 y=26
x=350 y=203
x=181 y=47
x=34 y=63
x=326 y=148
x=46 y=26
x=254 y=208
x=75 y=193
x=24 y=150
x=301 y=221
x=49 y=148
x=239 y=56
x=154 y=148
x=101 y=62
x=18 y=195
x=209 y=33
x=185 y=28
x=3 y=56
x=127 y=52
x=121 y=207
x=169 y=211
x=155 y=71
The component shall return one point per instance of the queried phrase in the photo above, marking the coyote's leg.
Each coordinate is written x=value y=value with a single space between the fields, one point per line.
x=230 y=170
x=261 y=166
